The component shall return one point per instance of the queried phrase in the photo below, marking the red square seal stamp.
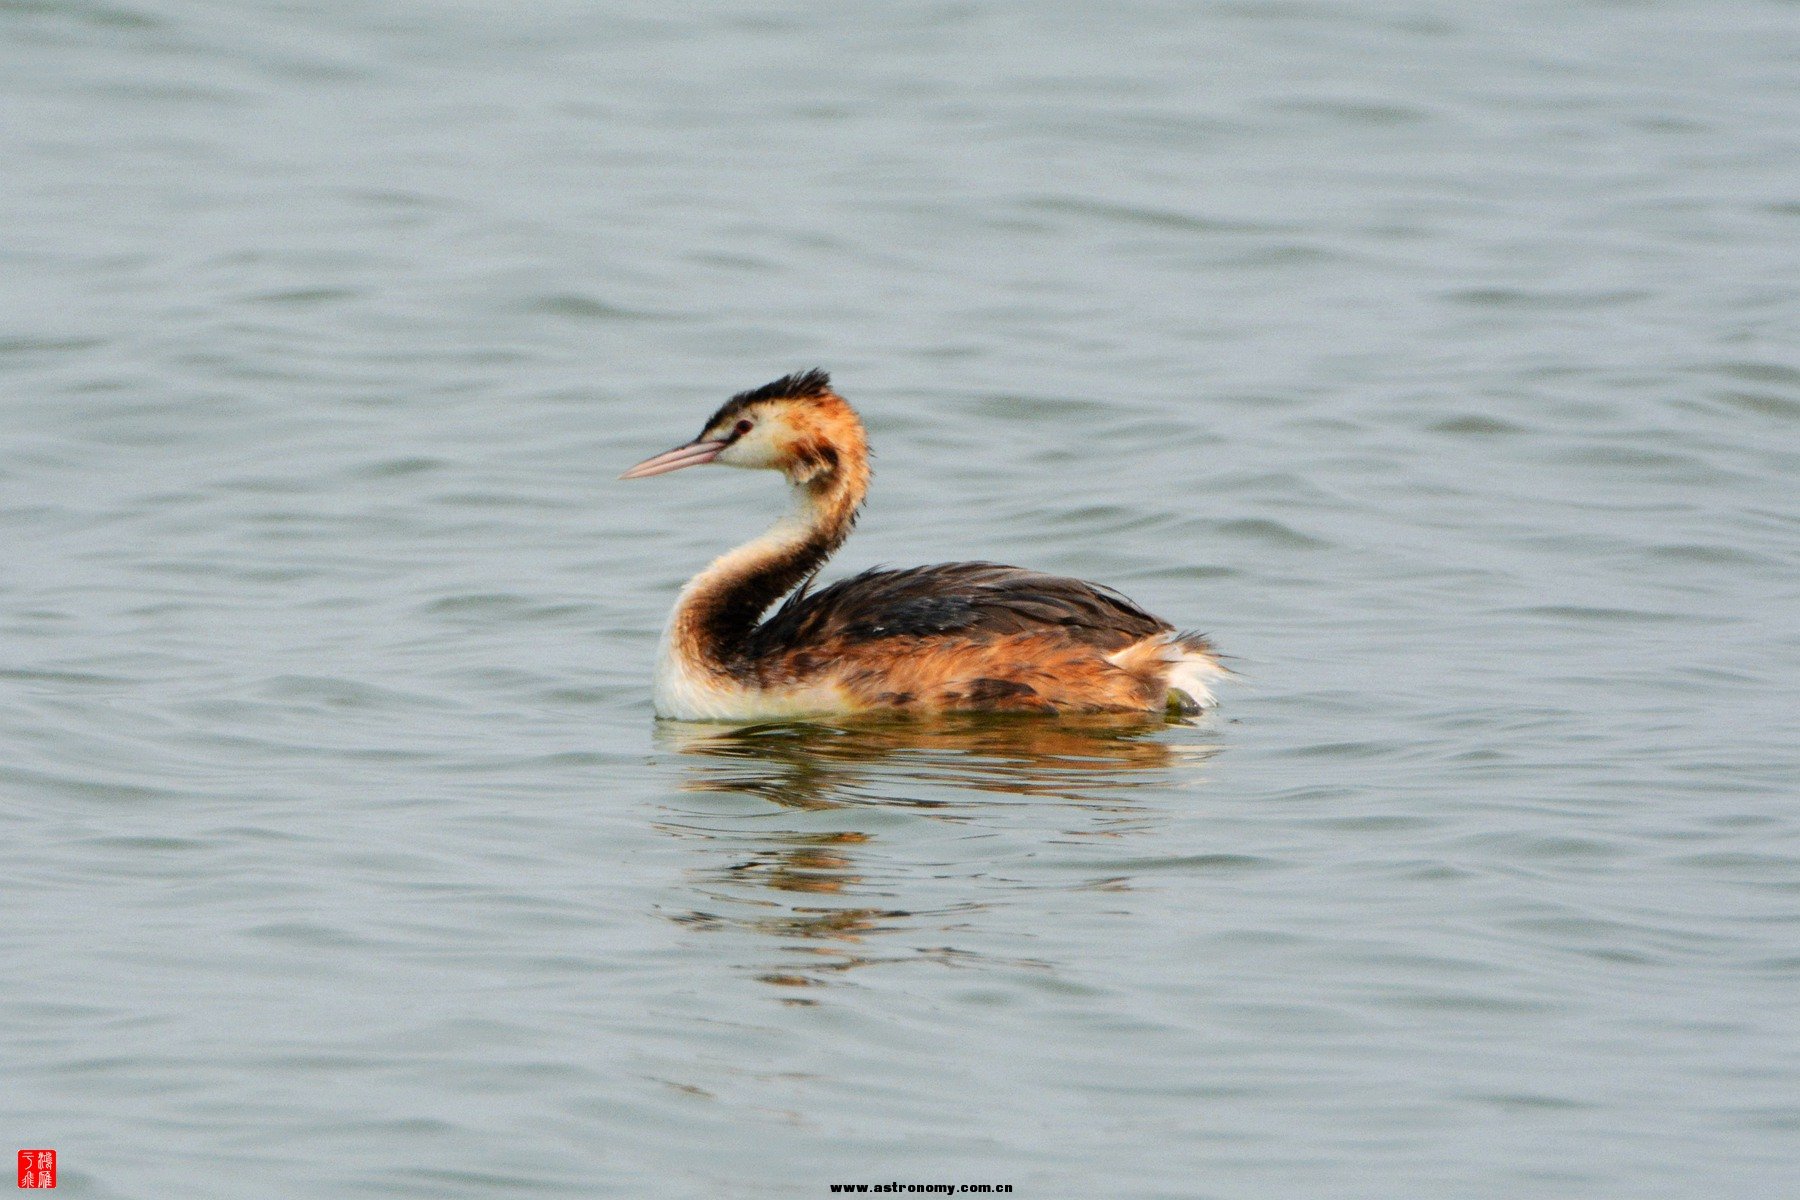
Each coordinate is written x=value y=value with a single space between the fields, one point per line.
x=37 y=1168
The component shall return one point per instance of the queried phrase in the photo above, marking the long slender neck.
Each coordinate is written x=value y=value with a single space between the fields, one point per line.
x=720 y=606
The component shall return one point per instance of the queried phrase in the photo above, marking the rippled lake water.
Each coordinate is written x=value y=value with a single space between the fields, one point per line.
x=1440 y=360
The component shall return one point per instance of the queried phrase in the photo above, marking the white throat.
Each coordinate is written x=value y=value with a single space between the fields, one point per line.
x=689 y=688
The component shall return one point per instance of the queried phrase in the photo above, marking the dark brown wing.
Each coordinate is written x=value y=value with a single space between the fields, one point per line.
x=973 y=599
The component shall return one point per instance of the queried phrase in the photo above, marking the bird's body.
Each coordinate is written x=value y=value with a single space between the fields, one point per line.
x=952 y=637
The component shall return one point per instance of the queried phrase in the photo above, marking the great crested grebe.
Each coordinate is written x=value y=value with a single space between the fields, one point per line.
x=956 y=637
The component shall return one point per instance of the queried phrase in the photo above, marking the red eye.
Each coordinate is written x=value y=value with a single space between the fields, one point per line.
x=743 y=427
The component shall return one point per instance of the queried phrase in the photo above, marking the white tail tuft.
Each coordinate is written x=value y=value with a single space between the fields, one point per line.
x=1192 y=672
x=1184 y=663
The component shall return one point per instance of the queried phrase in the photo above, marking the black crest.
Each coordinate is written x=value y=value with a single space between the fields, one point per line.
x=801 y=385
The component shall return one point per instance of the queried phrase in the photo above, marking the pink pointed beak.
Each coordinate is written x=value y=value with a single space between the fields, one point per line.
x=691 y=455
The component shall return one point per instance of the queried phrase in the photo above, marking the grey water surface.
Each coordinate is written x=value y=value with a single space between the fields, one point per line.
x=1441 y=360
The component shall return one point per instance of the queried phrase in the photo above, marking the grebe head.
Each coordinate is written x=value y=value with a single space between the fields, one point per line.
x=796 y=425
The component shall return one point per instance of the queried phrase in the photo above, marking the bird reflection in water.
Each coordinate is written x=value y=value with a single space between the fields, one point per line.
x=829 y=872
